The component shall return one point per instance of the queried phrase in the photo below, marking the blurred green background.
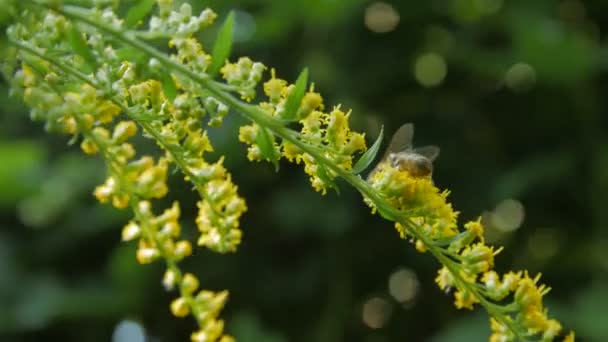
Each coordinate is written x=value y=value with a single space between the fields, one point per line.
x=514 y=93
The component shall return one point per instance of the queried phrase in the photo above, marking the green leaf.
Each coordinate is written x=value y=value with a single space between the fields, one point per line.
x=295 y=97
x=80 y=47
x=265 y=141
x=322 y=173
x=222 y=46
x=369 y=155
x=168 y=85
x=134 y=55
x=138 y=11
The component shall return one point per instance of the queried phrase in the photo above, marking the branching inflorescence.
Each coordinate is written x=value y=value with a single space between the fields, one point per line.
x=90 y=74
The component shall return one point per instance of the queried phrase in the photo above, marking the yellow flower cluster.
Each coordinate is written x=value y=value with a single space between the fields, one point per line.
x=469 y=262
x=418 y=199
x=244 y=75
x=329 y=133
x=68 y=103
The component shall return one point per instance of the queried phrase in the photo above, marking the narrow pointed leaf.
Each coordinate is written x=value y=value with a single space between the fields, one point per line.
x=80 y=47
x=222 y=46
x=139 y=10
x=168 y=85
x=265 y=141
x=295 y=97
x=368 y=157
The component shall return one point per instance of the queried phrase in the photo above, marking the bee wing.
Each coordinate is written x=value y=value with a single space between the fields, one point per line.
x=401 y=140
x=431 y=152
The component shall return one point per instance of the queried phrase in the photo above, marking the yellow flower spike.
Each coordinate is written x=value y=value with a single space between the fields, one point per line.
x=327 y=146
x=179 y=307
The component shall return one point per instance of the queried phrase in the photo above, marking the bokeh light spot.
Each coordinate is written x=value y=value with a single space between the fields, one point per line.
x=508 y=215
x=403 y=285
x=543 y=244
x=520 y=77
x=381 y=17
x=430 y=69
x=128 y=331
x=376 y=312
x=244 y=27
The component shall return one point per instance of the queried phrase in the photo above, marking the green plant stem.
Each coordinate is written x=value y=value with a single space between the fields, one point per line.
x=260 y=117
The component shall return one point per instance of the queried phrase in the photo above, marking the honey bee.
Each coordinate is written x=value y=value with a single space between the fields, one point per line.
x=401 y=155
